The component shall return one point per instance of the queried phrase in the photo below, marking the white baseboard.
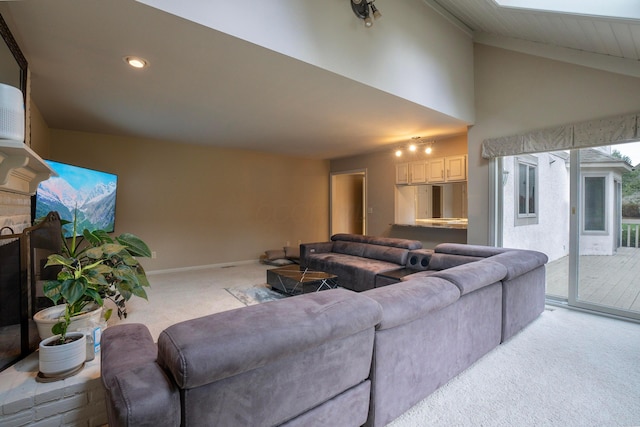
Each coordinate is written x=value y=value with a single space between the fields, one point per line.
x=202 y=267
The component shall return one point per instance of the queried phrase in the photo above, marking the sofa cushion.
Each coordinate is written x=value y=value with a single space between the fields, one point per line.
x=354 y=272
x=441 y=261
x=397 y=243
x=469 y=250
x=407 y=301
x=475 y=275
x=386 y=253
x=349 y=248
x=273 y=254
x=375 y=240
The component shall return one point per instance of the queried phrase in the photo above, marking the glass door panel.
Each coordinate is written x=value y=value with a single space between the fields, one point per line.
x=606 y=263
x=533 y=211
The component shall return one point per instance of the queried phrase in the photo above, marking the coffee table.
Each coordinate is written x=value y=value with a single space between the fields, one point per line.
x=292 y=280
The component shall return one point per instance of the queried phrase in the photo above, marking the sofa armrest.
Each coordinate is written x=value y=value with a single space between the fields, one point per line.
x=144 y=396
x=520 y=261
x=137 y=390
x=313 y=248
x=474 y=275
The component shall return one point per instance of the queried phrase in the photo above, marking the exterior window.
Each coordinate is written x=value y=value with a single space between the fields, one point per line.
x=526 y=190
x=594 y=203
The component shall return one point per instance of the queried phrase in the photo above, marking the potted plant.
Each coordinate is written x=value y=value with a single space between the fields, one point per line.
x=94 y=268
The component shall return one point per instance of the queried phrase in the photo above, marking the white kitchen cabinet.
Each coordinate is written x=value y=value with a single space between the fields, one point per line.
x=447 y=169
x=436 y=170
x=411 y=173
x=456 y=168
x=402 y=173
x=417 y=172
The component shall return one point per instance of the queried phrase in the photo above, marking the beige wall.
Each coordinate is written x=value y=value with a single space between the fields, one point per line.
x=516 y=93
x=415 y=52
x=199 y=205
x=381 y=176
x=39 y=132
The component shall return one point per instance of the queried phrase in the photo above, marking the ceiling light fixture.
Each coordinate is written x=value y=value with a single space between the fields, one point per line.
x=363 y=9
x=416 y=143
x=136 y=62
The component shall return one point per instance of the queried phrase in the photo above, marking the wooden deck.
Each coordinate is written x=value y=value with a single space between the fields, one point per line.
x=612 y=281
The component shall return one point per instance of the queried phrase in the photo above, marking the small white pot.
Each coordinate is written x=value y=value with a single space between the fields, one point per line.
x=45 y=319
x=61 y=359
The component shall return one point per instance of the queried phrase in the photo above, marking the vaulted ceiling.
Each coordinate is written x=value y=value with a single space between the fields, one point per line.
x=212 y=88
x=610 y=36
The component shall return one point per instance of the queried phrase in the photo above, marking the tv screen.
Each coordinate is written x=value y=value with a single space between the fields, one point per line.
x=92 y=193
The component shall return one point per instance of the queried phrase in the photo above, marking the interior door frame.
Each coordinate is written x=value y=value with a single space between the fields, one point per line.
x=332 y=193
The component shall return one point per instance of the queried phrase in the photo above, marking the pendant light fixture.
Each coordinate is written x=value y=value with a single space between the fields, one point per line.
x=364 y=9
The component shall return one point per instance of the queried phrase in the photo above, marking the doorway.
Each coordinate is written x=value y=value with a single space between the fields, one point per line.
x=348 y=201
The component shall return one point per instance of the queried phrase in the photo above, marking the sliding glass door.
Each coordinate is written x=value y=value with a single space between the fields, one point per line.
x=581 y=208
x=604 y=265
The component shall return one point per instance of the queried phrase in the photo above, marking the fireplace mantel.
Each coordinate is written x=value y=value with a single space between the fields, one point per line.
x=21 y=169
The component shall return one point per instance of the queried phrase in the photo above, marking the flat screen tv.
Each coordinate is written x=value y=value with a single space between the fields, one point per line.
x=92 y=193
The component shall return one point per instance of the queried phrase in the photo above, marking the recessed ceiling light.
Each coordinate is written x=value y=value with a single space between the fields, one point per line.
x=136 y=62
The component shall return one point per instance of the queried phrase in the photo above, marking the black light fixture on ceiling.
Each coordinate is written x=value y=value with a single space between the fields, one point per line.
x=416 y=146
x=364 y=9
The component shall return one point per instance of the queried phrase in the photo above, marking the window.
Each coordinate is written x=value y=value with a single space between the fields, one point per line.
x=526 y=168
x=594 y=209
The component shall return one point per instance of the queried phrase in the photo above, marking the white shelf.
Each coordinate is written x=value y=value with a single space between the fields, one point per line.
x=21 y=169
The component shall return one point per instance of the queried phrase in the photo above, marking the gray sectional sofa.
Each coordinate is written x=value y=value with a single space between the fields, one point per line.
x=334 y=357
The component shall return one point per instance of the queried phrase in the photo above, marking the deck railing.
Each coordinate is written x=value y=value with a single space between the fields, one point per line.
x=630 y=232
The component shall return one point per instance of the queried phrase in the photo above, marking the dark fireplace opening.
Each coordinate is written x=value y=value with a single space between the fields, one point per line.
x=22 y=272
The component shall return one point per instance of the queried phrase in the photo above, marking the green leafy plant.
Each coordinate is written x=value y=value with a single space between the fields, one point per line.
x=96 y=267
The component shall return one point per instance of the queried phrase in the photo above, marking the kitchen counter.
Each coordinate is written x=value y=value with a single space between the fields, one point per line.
x=455 y=223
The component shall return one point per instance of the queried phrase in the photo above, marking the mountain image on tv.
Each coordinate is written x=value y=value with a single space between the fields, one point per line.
x=89 y=193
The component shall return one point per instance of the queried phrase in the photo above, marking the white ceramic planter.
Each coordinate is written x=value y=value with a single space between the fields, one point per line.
x=45 y=319
x=58 y=360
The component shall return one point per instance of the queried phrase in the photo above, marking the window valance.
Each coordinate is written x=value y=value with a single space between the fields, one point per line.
x=591 y=133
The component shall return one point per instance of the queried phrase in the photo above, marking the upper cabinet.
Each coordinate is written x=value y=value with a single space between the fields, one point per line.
x=417 y=172
x=448 y=169
x=402 y=173
x=437 y=170
x=412 y=172
x=455 y=168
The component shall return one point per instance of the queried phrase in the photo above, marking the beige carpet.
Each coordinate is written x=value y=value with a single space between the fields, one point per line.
x=566 y=369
